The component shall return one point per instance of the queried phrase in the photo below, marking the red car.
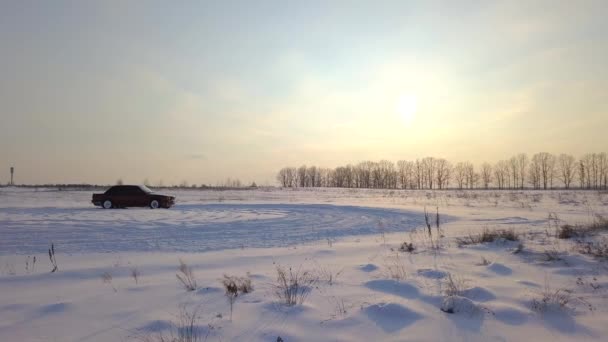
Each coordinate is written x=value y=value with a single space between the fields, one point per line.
x=122 y=196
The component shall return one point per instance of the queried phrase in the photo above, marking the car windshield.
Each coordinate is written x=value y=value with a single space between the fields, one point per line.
x=145 y=189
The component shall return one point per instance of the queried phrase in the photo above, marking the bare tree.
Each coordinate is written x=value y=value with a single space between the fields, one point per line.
x=540 y=171
x=567 y=169
x=350 y=176
x=592 y=165
x=460 y=174
x=429 y=165
x=312 y=176
x=301 y=176
x=442 y=173
x=405 y=170
x=283 y=177
x=582 y=173
x=522 y=165
x=535 y=171
x=486 y=175
x=514 y=166
x=603 y=170
x=547 y=168
x=501 y=174
x=418 y=174
x=471 y=176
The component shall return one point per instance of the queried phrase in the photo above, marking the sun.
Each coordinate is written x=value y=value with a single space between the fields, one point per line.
x=406 y=107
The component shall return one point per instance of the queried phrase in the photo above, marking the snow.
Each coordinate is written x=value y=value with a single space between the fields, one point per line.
x=352 y=235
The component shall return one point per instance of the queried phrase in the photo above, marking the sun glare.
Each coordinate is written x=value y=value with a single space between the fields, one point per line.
x=406 y=108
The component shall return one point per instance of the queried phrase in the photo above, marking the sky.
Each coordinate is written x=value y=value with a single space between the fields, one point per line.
x=199 y=91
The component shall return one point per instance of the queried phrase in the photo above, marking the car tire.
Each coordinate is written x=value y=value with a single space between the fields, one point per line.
x=154 y=204
x=107 y=204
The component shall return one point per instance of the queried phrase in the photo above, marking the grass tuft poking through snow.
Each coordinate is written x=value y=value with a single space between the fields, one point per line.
x=53 y=259
x=599 y=224
x=488 y=235
x=106 y=278
x=186 y=276
x=395 y=267
x=184 y=329
x=327 y=274
x=407 y=247
x=233 y=286
x=455 y=285
x=552 y=300
x=293 y=287
x=135 y=274
x=598 y=249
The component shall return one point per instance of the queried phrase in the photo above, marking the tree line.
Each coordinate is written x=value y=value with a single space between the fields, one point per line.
x=541 y=171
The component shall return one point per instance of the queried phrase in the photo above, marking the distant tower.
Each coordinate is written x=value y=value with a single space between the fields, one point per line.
x=12 y=173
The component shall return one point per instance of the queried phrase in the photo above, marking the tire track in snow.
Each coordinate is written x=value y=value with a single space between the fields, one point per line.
x=190 y=227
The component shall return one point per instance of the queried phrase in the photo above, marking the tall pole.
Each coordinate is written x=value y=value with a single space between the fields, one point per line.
x=12 y=172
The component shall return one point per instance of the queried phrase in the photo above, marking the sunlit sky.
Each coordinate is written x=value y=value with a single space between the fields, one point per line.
x=204 y=90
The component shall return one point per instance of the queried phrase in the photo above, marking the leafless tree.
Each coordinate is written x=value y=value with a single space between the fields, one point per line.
x=540 y=171
x=582 y=173
x=471 y=176
x=535 y=171
x=522 y=165
x=460 y=174
x=301 y=176
x=418 y=174
x=312 y=177
x=442 y=173
x=501 y=174
x=405 y=170
x=284 y=177
x=567 y=169
x=486 y=175
x=514 y=169
x=547 y=168
x=603 y=170
x=429 y=164
x=288 y=177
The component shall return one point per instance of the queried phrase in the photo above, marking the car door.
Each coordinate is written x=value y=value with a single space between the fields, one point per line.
x=129 y=197
x=122 y=197
x=139 y=197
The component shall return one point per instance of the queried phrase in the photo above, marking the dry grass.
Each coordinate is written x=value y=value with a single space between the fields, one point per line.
x=520 y=248
x=488 y=235
x=552 y=255
x=599 y=224
x=484 y=262
x=184 y=329
x=598 y=249
x=327 y=274
x=395 y=267
x=53 y=259
x=552 y=299
x=454 y=285
x=293 y=287
x=407 y=247
x=106 y=278
x=135 y=274
x=231 y=291
x=233 y=286
x=186 y=276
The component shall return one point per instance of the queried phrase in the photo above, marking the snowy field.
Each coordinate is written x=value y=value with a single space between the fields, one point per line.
x=345 y=245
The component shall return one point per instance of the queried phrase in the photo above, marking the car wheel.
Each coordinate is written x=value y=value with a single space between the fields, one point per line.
x=107 y=204
x=154 y=204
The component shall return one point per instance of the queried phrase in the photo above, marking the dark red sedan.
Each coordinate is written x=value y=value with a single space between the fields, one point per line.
x=123 y=196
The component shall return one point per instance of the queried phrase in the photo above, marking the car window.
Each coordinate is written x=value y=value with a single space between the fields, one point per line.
x=118 y=190
x=134 y=190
